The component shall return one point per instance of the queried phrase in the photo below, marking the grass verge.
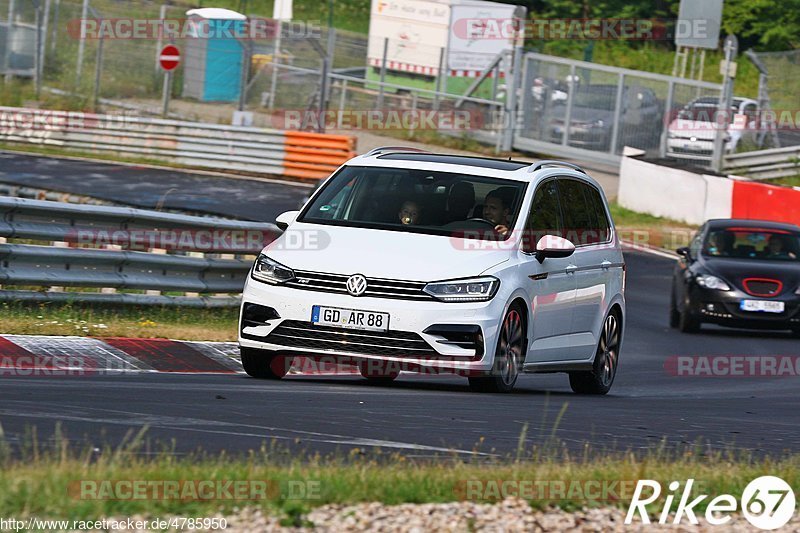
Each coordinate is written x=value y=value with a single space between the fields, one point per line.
x=54 y=482
x=119 y=321
x=644 y=229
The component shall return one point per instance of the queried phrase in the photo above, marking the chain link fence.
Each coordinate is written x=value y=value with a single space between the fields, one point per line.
x=277 y=76
x=779 y=94
x=597 y=110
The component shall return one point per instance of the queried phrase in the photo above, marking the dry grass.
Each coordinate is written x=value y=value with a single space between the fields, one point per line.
x=140 y=322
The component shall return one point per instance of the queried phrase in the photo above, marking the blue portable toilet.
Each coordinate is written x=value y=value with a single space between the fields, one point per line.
x=213 y=54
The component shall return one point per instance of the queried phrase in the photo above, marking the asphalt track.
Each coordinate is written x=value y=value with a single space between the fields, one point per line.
x=148 y=188
x=425 y=416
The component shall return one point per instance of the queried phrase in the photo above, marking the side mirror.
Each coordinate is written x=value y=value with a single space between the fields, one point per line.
x=284 y=219
x=684 y=251
x=551 y=246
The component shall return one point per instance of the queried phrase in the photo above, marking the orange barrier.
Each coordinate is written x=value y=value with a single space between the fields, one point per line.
x=765 y=202
x=315 y=155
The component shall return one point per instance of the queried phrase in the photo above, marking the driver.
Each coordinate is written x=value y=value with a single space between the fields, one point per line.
x=496 y=209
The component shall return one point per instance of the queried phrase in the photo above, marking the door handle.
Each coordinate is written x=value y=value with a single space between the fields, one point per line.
x=571 y=269
x=606 y=265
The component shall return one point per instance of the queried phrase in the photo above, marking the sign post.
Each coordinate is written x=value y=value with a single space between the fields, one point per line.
x=168 y=59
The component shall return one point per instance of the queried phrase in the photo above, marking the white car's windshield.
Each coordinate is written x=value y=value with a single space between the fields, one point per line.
x=418 y=201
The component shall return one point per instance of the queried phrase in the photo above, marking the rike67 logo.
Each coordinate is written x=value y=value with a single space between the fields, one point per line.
x=767 y=502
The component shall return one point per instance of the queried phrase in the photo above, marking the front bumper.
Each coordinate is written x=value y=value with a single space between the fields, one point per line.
x=412 y=340
x=723 y=308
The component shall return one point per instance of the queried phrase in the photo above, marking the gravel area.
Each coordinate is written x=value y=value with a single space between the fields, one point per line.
x=511 y=515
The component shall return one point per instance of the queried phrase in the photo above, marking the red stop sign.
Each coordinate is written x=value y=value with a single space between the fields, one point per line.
x=170 y=57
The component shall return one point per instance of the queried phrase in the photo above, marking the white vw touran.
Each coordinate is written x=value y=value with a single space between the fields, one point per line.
x=411 y=261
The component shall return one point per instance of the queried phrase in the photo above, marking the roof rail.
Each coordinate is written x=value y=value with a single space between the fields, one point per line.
x=552 y=163
x=394 y=149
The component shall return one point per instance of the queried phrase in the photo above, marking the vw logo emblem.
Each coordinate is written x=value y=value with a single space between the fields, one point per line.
x=356 y=284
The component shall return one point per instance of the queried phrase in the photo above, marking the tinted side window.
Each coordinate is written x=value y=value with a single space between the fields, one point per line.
x=544 y=218
x=602 y=226
x=579 y=217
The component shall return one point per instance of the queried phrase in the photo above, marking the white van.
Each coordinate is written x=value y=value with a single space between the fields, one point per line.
x=412 y=261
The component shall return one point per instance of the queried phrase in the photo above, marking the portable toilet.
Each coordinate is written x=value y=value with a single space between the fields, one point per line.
x=212 y=70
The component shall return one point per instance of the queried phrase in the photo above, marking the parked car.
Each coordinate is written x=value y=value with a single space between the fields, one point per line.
x=691 y=134
x=739 y=273
x=593 y=113
x=435 y=263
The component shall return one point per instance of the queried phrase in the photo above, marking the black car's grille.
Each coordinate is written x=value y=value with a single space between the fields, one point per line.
x=376 y=287
x=762 y=287
x=299 y=334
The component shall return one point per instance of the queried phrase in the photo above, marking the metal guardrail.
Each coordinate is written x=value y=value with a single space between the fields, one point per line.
x=765 y=164
x=120 y=268
x=194 y=144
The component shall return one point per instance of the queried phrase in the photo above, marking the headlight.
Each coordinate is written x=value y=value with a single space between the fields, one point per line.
x=797 y=292
x=464 y=290
x=269 y=271
x=671 y=135
x=708 y=281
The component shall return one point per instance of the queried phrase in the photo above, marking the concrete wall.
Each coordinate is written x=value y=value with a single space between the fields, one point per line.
x=695 y=198
x=672 y=193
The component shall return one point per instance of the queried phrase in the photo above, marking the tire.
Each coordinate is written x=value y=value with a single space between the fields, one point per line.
x=508 y=358
x=687 y=323
x=599 y=380
x=263 y=364
x=378 y=371
x=674 y=314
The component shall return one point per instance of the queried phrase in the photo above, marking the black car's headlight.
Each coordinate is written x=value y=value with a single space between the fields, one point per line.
x=464 y=290
x=707 y=281
x=269 y=271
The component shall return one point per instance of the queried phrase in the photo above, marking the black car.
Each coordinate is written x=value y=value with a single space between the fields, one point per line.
x=739 y=273
x=593 y=114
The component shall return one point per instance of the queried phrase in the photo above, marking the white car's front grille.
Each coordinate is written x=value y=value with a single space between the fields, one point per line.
x=377 y=288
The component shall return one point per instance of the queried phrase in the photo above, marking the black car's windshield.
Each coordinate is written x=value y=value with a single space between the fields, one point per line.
x=753 y=243
x=417 y=201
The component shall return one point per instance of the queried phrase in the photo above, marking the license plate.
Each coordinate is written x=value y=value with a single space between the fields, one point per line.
x=349 y=318
x=762 y=306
